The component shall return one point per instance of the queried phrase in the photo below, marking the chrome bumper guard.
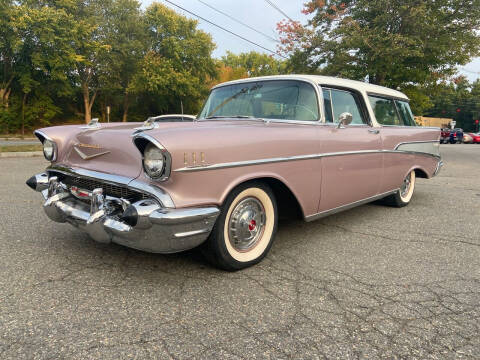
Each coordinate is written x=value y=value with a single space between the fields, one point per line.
x=143 y=225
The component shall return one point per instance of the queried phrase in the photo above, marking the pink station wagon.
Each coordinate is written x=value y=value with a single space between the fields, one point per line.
x=301 y=145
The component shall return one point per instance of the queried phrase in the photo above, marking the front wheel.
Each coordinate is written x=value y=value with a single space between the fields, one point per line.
x=244 y=231
x=403 y=196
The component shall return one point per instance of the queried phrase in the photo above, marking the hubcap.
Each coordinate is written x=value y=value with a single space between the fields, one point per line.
x=246 y=224
x=406 y=185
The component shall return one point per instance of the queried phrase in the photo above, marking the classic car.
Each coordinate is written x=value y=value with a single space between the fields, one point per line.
x=306 y=146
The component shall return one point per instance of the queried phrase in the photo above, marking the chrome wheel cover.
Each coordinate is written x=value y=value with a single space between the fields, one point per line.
x=407 y=183
x=246 y=224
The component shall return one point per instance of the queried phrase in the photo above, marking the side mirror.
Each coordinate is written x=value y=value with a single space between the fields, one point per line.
x=344 y=119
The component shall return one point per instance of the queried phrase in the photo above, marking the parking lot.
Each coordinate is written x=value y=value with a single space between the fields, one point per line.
x=372 y=282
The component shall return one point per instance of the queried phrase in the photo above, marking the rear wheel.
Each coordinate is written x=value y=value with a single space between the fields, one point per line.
x=244 y=231
x=403 y=196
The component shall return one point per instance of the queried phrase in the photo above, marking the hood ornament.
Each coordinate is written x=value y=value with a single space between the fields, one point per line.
x=92 y=125
x=87 y=151
x=149 y=124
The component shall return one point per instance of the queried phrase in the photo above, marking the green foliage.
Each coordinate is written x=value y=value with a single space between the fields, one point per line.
x=254 y=63
x=178 y=63
x=391 y=43
x=67 y=59
x=459 y=100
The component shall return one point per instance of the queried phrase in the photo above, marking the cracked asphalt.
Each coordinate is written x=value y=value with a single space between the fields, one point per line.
x=372 y=282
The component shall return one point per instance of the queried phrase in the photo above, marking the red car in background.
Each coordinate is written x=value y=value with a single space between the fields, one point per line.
x=445 y=136
x=475 y=138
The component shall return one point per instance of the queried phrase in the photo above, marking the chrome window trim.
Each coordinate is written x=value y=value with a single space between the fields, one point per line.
x=168 y=157
x=315 y=86
x=389 y=97
x=296 y=158
x=348 y=206
x=40 y=134
x=158 y=193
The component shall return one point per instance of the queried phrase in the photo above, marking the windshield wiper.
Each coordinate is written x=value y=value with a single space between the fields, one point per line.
x=230 y=117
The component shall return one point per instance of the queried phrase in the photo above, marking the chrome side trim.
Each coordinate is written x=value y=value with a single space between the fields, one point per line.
x=295 y=158
x=156 y=192
x=88 y=157
x=349 y=206
x=416 y=142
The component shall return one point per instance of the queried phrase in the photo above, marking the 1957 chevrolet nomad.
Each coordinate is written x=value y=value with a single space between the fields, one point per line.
x=260 y=146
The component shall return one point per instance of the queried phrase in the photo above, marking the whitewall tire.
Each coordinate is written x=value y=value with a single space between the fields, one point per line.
x=245 y=229
x=404 y=195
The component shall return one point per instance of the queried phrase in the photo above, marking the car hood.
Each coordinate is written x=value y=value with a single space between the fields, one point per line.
x=110 y=149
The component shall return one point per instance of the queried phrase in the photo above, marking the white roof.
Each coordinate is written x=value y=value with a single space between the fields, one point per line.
x=328 y=80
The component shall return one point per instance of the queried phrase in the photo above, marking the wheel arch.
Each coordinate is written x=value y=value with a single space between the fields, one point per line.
x=287 y=201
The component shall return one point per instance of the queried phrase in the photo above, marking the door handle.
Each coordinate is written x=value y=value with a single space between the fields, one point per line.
x=373 y=131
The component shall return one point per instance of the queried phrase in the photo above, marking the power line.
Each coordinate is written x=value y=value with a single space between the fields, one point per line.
x=278 y=9
x=220 y=27
x=238 y=21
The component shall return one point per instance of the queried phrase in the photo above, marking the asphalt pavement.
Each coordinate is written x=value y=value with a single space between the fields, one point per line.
x=372 y=282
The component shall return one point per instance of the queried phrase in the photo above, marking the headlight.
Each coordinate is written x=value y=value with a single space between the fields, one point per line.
x=49 y=149
x=154 y=161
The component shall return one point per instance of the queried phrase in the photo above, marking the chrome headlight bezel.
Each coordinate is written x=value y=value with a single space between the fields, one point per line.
x=48 y=143
x=152 y=151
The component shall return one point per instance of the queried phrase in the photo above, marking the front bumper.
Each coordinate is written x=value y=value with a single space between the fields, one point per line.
x=145 y=225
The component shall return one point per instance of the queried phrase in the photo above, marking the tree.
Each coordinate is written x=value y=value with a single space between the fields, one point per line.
x=254 y=63
x=387 y=42
x=7 y=52
x=126 y=35
x=178 y=64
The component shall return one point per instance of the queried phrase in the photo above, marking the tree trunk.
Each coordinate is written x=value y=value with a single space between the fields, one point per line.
x=126 y=103
x=5 y=92
x=88 y=102
x=24 y=102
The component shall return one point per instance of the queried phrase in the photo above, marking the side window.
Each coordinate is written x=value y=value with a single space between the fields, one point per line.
x=339 y=101
x=405 y=113
x=385 y=111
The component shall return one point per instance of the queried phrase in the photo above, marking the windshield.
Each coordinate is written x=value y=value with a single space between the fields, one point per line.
x=277 y=99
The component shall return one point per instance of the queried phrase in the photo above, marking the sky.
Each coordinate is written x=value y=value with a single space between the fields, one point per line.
x=259 y=15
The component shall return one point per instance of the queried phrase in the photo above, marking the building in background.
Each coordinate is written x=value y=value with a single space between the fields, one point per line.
x=431 y=121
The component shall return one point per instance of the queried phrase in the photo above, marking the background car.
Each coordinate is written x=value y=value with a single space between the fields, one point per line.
x=475 y=137
x=467 y=139
x=445 y=136
x=455 y=139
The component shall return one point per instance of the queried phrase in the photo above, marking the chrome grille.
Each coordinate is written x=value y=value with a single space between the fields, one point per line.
x=108 y=189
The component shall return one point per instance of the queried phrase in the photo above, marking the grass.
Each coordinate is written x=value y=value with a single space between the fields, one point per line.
x=20 y=148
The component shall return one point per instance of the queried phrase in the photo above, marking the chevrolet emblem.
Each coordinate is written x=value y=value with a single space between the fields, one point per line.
x=88 y=151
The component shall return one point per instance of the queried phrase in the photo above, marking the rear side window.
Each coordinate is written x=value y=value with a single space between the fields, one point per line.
x=392 y=112
x=385 y=111
x=405 y=112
